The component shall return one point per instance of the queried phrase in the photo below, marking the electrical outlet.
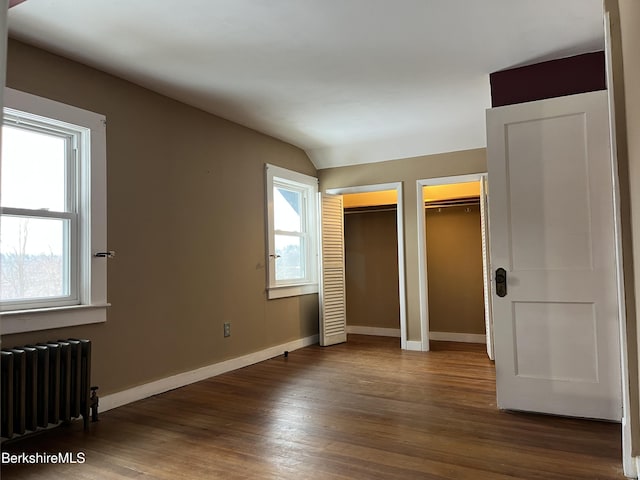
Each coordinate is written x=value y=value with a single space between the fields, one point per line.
x=227 y=329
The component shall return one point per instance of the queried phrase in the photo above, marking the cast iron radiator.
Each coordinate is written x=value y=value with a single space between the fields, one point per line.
x=44 y=384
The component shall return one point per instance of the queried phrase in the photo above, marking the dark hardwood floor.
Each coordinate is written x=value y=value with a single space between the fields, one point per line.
x=360 y=410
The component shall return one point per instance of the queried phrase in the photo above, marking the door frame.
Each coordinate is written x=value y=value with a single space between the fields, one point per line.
x=397 y=186
x=422 y=249
x=630 y=463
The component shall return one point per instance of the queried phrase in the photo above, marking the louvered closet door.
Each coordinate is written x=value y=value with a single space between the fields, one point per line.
x=333 y=305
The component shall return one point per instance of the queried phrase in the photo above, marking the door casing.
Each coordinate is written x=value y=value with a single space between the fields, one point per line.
x=397 y=186
x=423 y=345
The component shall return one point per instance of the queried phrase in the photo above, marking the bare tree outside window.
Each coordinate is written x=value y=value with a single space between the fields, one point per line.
x=27 y=271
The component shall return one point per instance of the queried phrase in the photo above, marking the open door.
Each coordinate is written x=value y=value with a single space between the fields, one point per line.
x=332 y=297
x=486 y=268
x=555 y=302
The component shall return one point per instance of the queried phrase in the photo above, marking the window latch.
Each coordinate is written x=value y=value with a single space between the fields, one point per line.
x=274 y=256
x=109 y=254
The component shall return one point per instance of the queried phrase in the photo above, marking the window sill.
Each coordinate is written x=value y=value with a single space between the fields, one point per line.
x=20 y=321
x=291 y=290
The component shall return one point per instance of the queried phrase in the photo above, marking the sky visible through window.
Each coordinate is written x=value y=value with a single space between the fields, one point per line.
x=289 y=248
x=287 y=210
x=33 y=177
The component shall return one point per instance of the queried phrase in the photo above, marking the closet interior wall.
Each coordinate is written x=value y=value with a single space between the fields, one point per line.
x=454 y=267
x=371 y=266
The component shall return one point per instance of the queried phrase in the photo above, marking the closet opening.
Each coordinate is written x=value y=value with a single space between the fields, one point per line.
x=371 y=263
x=455 y=284
x=374 y=260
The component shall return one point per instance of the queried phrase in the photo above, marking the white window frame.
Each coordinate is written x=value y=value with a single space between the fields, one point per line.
x=90 y=302
x=308 y=186
x=75 y=139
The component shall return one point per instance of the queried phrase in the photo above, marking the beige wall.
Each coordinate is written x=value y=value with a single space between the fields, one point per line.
x=371 y=267
x=186 y=217
x=454 y=273
x=407 y=171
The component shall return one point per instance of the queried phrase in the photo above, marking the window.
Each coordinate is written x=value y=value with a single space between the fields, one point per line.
x=39 y=229
x=292 y=237
x=53 y=215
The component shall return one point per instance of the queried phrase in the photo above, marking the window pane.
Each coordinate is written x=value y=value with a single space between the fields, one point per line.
x=33 y=170
x=287 y=204
x=34 y=258
x=290 y=263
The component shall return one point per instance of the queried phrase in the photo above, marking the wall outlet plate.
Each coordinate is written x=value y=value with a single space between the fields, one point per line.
x=227 y=329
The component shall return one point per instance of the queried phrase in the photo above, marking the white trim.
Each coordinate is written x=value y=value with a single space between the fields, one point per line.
x=458 y=337
x=92 y=287
x=378 y=187
x=402 y=286
x=401 y=267
x=422 y=245
x=423 y=296
x=146 y=390
x=376 y=331
x=55 y=317
x=291 y=175
x=4 y=7
x=291 y=290
x=414 y=346
x=486 y=268
x=74 y=138
x=629 y=462
x=308 y=188
x=472 y=177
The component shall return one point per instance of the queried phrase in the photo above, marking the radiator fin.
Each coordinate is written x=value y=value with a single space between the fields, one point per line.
x=44 y=384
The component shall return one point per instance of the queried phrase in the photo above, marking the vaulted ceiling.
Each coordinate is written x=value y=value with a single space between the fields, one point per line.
x=349 y=81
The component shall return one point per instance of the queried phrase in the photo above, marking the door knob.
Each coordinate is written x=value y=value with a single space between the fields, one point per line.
x=501 y=282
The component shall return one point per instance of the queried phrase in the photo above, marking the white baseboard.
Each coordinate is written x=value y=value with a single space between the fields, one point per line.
x=458 y=337
x=631 y=466
x=413 y=345
x=134 y=394
x=377 y=331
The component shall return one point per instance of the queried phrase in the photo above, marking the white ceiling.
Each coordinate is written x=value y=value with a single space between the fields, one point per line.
x=349 y=81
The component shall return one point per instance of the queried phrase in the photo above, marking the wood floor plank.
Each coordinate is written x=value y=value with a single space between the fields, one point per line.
x=360 y=410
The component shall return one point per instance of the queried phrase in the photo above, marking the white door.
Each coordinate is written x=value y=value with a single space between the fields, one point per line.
x=556 y=334
x=332 y=297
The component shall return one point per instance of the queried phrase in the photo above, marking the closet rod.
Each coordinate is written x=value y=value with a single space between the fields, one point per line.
x=370 y=210
x=446 y=204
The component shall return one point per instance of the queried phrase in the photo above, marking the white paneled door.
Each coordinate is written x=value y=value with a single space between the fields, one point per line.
x=332 y=297
x=556 y=325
